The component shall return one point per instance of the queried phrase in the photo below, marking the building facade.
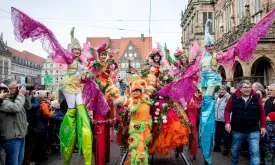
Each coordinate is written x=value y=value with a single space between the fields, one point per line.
x=54 y=71
x=130 y=56
x=5 y=60
x=131 y=50
x=231 y=20
x=26 y=67
x=193 y=20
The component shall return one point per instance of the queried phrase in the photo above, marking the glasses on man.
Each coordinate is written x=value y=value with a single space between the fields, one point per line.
x=246 y=87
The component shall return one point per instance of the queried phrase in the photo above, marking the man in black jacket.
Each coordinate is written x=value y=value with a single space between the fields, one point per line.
x=270 y=102
x=247 y=110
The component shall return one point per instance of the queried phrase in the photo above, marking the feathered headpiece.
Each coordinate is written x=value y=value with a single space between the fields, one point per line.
x=103 y=48
x=208 y=38
x=74 y=42
x=179 y=53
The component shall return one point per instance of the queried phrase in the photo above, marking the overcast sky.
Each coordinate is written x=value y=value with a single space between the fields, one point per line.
x=97 y=18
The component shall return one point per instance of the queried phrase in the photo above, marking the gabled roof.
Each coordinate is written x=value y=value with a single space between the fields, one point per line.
x=25 y=55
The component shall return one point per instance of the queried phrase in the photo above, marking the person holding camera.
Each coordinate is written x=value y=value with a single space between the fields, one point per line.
x=13 y=121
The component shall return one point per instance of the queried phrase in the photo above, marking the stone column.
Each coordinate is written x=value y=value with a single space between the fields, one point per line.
x=229 y=76
x=246 y=71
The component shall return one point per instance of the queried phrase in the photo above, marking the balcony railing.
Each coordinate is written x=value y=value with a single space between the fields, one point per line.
x=232 y=37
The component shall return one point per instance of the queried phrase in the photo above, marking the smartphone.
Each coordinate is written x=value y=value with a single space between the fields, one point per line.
x=5 y=89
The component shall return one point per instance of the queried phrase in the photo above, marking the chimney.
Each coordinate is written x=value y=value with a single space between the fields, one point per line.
x=142 y=37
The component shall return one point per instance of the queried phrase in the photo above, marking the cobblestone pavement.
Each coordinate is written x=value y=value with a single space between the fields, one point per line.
x=218 y=159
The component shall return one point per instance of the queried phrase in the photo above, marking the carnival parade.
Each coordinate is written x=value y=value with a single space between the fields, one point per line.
x=175 y=103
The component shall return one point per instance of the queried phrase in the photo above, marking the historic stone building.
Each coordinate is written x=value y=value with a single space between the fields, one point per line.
x=192 y=22
x=232 y=19
x=5 y=60
x=26 y=67
x=23 y=66
x=55 y=72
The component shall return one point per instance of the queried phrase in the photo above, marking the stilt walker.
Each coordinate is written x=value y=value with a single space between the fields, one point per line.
x=76 y=122
x=209 y=81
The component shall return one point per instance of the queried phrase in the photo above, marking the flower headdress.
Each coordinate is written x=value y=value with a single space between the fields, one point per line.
x=103 y=48
x=179 y=53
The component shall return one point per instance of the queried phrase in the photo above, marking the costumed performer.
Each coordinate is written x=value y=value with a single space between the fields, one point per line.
x=140 y=121
x=209 y=81
x=191 y=106
x=76 y=122
x=171 y=127
x=102 y=69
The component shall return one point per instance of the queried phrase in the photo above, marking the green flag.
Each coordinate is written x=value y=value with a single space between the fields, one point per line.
x=47 y=79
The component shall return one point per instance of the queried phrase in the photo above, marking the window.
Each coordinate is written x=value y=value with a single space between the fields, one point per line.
x=217 y=27
x=51 y=71
x=125 y=54
x=130 y=54
x=135 y=54
x=57 y=71
x=1 y=66
x=137 y=65
x=258 y=8
x=206 y=16
x=240 y=11
x=122 y=74
x=130 y=47
x=228 y=19
x=56 y=80
x=192 y=26
x=122 y=65
x=133 y=65
x=6 y=67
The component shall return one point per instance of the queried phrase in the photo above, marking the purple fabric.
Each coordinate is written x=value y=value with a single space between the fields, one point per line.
x=26 y=27
x=247 y=44
x=93 y=98
x=183 y=87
